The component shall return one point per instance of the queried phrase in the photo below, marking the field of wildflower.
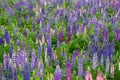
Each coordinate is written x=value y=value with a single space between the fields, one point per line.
x=59 y=39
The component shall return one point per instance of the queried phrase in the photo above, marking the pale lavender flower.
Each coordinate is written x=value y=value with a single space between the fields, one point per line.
x=74 y=59
x=95 y=61
x=58 y=73
x=107 y=65
x=80 y=67
x=101 y=60
x=32 y=65
x=40 y=71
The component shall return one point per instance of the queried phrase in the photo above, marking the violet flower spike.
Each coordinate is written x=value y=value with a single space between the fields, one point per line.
x=58 y=73
x=80 y=67
x=68 y=70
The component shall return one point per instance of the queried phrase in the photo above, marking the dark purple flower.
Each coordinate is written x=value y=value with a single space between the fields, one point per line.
x=1 y=41
x=7 y=37
x=68 y=70
x=26 y=72
x=89 y=49
x=58 y=73
x=25 y=33
x=11 y=50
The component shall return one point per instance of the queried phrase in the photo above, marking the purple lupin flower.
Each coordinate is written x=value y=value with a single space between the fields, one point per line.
x=40 y=50
x=89 y=49
x=28 y=51
x=32 y=65
x=25 y=33
x=58 y=73
x=13 y=58
x=60 y=36
x=26 y=72
x=74 y=59
x=29 y=5
x=1 y=41
x=7 y=37
x=80 y=67
x=11 y=50
x=11 y=11
x=105 y=34
x=101 y=60
x=107 y=65
x=40 y=71
x=18 y=42
x=94 y=60
x=68 y=70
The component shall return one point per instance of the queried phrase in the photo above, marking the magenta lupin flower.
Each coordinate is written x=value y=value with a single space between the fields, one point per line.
x=68 y=70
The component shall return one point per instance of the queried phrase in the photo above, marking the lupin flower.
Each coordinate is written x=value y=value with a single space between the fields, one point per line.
x=40 y=50
x=1 y=41
x=18 y=42
x=40 y=72
x=13 y=59
x=112 y=70
x=80 y=67
x=11 y=50
x=107 y=64
x=102 y=60
x=88 y=75
x=46 y=57
x=11 y=11
x=74 y=59
x=7 y=37
x=29 y=5
x=25 y=33
x=43 y=39
x=36 y=40
x=58 y=73
x=68 y=70
x=89 y=49
x=26 y=72
x=99 y=76
x=95 y=61
x=32 y=65
x=105 y=36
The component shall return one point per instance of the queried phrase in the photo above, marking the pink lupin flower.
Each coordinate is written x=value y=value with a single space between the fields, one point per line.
x=43 y=39
x=88 y=75
x=36 y=40
x=112 y=70
x=99 y=76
